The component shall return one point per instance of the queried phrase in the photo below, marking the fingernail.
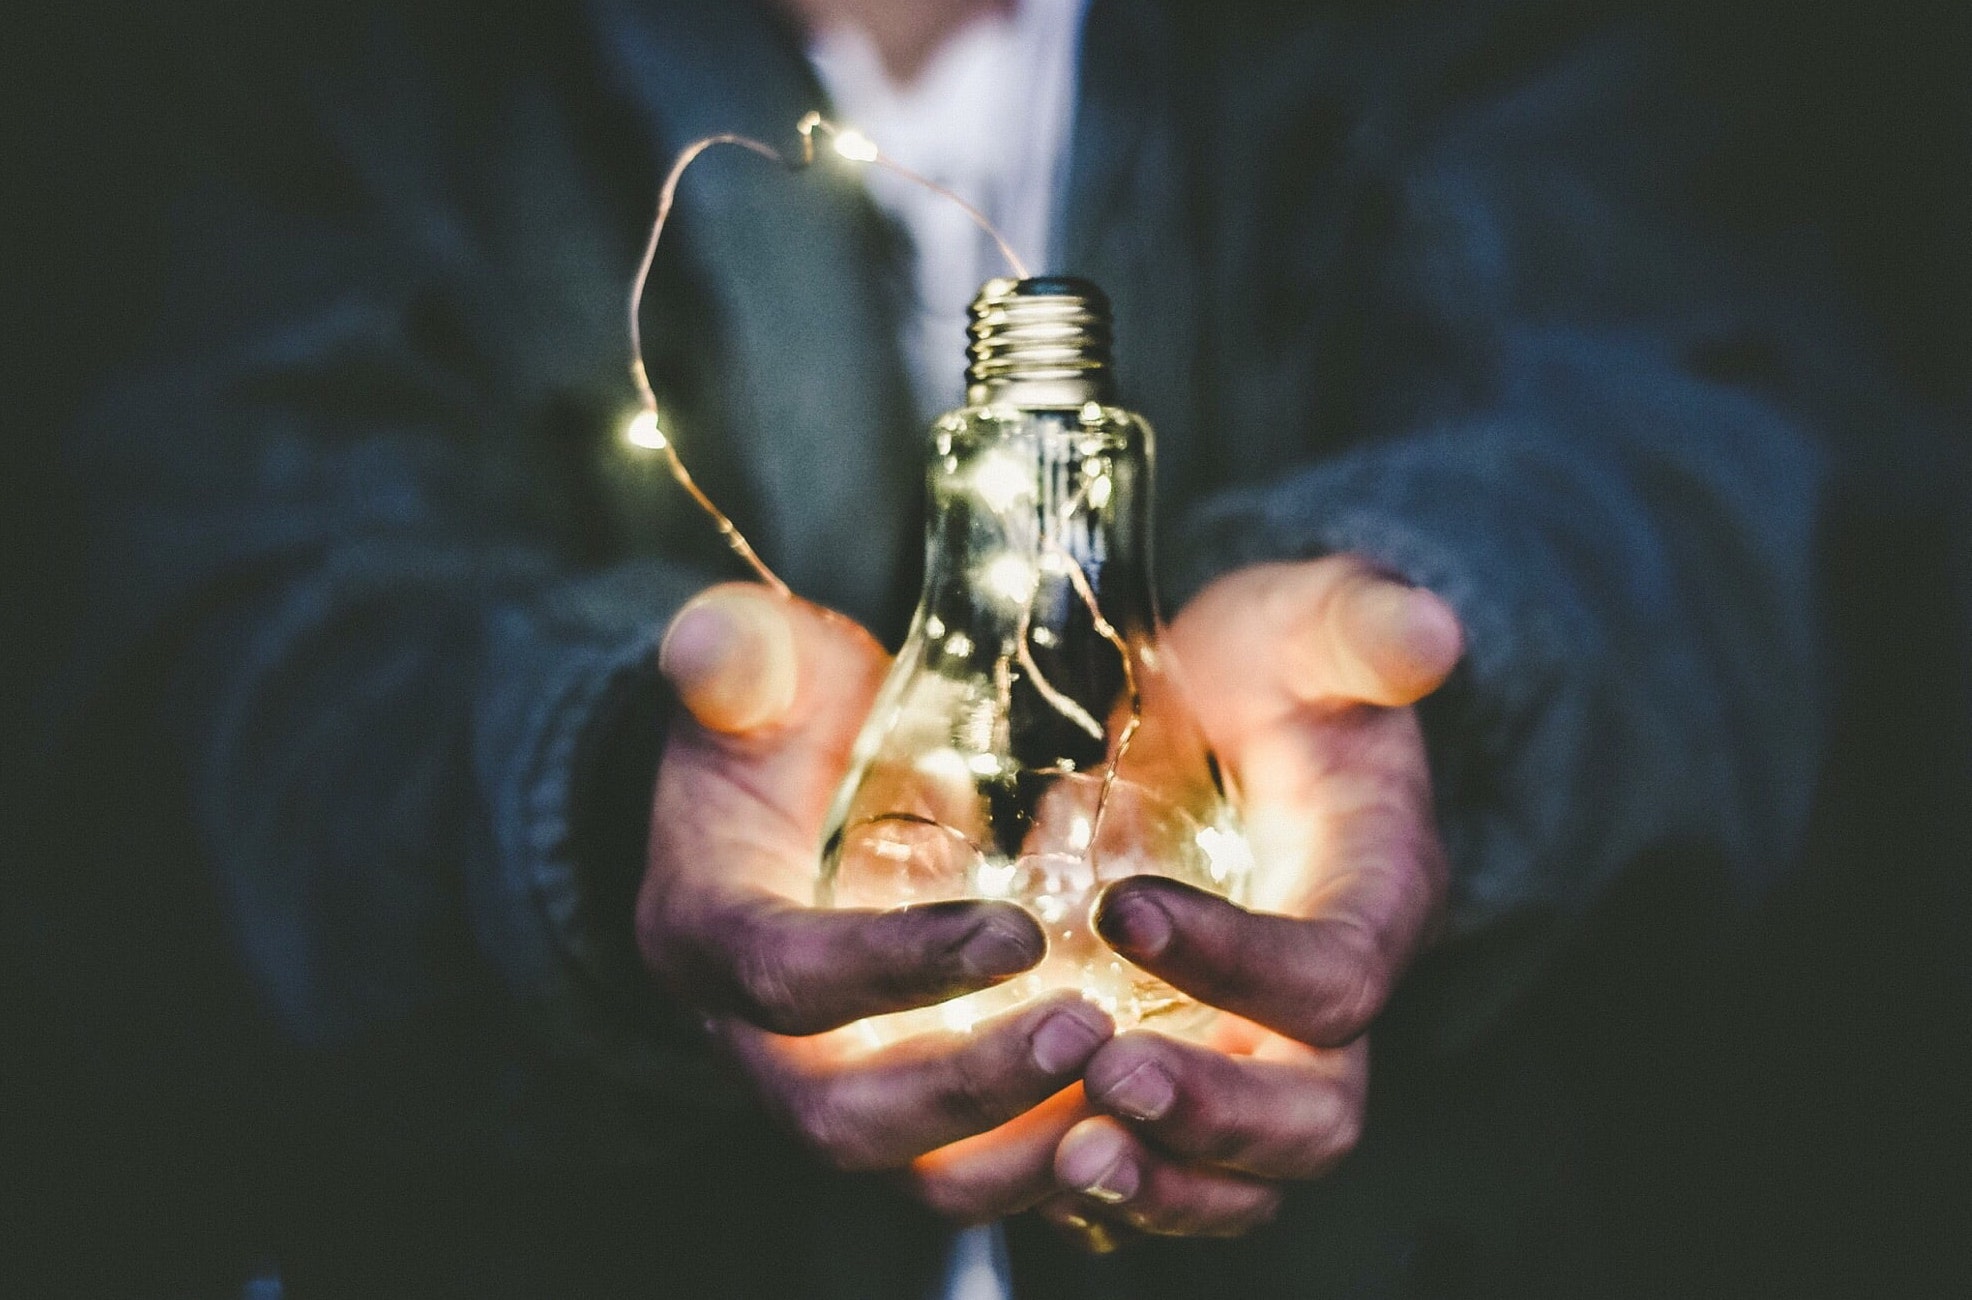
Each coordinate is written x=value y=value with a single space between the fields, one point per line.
x=1144 y=1093
x=996 y=949
x=730 y=655
x=1415 y=628
x=1067 y=1039
x=1096 y=1162
x=1134 y=923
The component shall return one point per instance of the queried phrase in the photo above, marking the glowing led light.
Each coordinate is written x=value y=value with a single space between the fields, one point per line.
x=934 y=627
x=1099 y=492
x=958 y=645
x=1227 y=856
x=1091 y=413
x=1081 y=833
x=1044 y=636
x=996 y=879
x=984 y=764
x=943 y=766
x=1010 y=577
x=855 y=146
x=958 y=1017
x=1000 y=481
x=641 y=430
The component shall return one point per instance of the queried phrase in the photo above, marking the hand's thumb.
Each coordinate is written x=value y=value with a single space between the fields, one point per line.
x=730 y=655
x=1381 y=642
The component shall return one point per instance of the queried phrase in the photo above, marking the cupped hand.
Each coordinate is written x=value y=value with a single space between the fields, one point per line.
x=773 y=691
x=1302 y=676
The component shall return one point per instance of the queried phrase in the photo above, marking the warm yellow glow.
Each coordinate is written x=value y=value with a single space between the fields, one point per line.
x=958 y=1015
x=1000 y=481
x=944 y=767
x=1010 y=577
x=996 y=879
x=641 y=430
x=1081 y=833
x=1228 y=857
x=855 y=146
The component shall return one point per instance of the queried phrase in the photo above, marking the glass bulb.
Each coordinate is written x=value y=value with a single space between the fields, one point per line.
x=1029 y=743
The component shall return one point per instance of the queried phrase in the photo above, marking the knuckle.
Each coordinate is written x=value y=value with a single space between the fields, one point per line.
x=1213 y=1128
x=1331 y=1143
x=971 y=1097
x=825 y=1126
x=768 y=988
x=1355 y=990
x=1226 y=972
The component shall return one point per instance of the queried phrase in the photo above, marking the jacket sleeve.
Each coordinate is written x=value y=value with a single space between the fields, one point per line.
x=1581 y=423
x=344 y=584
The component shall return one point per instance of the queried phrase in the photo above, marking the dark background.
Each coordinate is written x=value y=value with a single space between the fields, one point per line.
x=1785 y=1112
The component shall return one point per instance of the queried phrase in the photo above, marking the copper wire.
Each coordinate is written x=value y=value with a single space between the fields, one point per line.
x=667 y=195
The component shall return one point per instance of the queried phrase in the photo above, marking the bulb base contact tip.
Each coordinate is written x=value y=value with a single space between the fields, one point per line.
x=1040 y=343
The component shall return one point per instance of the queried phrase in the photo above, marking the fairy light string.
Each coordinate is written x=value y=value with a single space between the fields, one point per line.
x=647 y=431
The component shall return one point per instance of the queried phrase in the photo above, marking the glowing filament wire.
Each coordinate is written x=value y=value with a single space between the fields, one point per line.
x=641 y=378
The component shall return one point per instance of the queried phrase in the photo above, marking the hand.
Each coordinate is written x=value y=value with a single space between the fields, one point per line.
x=1302 y=675
x=774 y=691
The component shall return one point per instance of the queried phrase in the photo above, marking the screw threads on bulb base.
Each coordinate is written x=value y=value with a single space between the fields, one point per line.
x=1039 y=343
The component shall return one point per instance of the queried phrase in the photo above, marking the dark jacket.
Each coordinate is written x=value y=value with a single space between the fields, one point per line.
x=375 y=585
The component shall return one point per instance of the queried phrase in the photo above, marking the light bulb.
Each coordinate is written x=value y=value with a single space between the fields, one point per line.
x=1029 y=743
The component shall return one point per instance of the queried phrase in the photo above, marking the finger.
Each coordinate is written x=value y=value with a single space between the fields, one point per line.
x=730 y=655
x=883 y=1109
x=1322 y=631
x=1105 y=1162
x=1369 y=638
x=1291 y=1113
x=803 y=970
x=1318 y=981
x=1002 y=1171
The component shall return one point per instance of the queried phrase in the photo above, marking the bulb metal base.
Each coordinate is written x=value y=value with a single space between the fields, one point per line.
x=1040 y=344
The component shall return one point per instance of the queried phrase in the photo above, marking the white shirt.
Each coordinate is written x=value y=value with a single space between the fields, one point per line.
x=988 y=117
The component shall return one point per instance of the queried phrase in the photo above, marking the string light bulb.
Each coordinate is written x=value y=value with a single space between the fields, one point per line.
x=642 y=430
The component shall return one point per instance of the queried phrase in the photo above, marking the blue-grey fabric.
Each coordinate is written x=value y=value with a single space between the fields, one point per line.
x=384 y=585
